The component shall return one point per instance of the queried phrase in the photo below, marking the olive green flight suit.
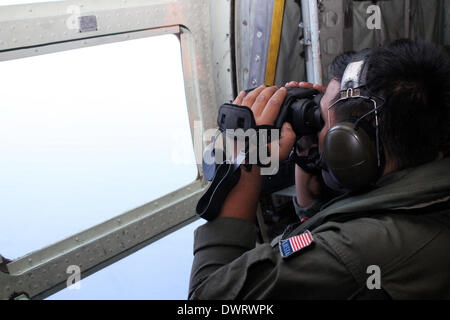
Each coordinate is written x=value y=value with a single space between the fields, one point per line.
x=401 y=228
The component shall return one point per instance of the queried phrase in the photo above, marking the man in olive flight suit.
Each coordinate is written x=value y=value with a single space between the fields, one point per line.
x=390 y=241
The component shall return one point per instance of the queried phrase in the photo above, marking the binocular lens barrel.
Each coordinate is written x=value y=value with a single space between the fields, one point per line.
x=301 y=108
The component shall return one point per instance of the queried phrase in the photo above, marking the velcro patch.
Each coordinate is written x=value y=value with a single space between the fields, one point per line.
x=295 y=244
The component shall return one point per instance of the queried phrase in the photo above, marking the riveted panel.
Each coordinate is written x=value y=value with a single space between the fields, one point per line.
x=253 y=27
x=336 y=32
x=221 y=49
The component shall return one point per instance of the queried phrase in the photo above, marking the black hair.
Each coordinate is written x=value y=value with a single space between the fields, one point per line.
x=339 y=64
x=414 y=79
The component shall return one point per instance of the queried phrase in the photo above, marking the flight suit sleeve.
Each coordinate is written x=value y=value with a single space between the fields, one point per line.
x=228 y=264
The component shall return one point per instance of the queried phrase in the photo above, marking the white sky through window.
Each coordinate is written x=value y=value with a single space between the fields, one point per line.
x=88 y=134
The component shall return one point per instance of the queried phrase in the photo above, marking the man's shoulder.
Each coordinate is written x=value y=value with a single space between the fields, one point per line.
x=380 y=235
x=399 y=245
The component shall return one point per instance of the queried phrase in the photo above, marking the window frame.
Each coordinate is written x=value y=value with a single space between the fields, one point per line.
x=43 y=272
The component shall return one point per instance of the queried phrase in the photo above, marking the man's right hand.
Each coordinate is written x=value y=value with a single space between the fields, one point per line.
x=307 y=85
x=265 y=103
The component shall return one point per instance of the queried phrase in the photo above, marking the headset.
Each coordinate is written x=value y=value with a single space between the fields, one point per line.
x=352 y=155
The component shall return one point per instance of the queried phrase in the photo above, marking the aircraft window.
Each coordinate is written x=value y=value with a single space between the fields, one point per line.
x=88 y=134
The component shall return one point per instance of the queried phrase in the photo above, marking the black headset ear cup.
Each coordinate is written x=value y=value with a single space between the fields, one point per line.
x=350 y=156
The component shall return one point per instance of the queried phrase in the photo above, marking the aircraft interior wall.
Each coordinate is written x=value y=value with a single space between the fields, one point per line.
x=428 y=20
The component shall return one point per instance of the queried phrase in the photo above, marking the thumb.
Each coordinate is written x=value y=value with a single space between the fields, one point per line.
x=287 y=140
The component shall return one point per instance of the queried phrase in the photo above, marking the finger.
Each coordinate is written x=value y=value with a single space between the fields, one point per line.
x=320 y=88
x=292 y=84
x=250 y=98
x=240 y=98
x=304 y=84
x=272 y=107
x=262 y=100
x=287 y=140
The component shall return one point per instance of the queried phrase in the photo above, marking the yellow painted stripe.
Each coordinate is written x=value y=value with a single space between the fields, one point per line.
x=274 y=45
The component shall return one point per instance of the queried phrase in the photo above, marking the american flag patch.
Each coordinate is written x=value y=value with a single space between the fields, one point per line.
x=294 y=244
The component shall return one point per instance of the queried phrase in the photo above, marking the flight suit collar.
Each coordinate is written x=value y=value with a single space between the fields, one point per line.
x=411 y=187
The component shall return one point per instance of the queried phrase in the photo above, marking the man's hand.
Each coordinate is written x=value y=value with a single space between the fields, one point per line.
x=265 y=103
x=307 y=85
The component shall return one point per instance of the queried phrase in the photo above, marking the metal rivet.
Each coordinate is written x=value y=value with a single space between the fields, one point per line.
x=259 y=34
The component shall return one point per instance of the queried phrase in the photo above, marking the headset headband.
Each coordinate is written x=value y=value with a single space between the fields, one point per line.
x=354 y=85
x=355 y=74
